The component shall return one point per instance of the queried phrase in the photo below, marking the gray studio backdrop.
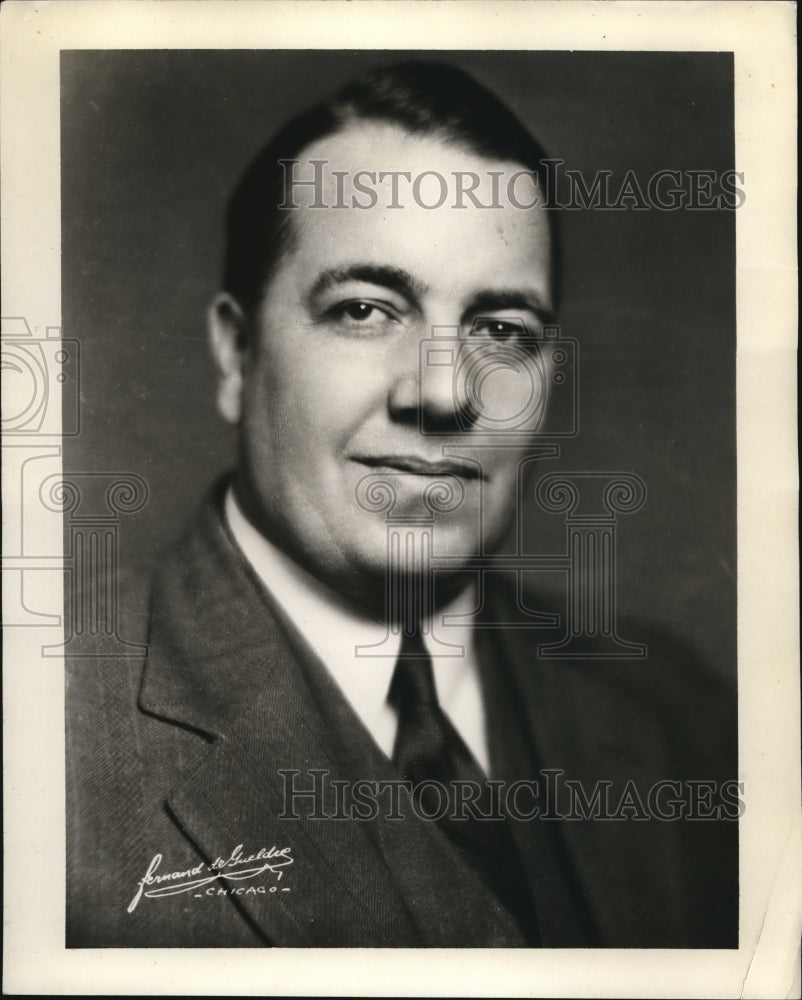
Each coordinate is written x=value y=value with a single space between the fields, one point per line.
x=152 y=144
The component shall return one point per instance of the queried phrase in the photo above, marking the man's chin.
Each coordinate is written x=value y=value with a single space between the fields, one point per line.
x=409 y=550
x=376 y=587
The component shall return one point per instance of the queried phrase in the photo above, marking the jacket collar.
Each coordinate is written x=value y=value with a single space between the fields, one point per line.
x=214 y=642
x=225 y=662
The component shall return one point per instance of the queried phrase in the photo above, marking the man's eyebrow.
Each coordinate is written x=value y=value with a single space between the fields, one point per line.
x=395 y=278
x=492 y=300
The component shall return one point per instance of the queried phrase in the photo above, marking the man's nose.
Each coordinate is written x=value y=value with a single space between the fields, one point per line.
x=425 y=390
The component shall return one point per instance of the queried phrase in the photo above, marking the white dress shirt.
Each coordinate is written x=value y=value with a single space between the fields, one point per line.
x=334 y=631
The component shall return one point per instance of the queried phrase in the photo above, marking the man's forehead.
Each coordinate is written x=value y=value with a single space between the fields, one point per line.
x=451 y=220
x=386 y=143
x=407 y=169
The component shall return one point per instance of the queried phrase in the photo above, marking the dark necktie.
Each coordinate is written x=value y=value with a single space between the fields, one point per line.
x=429 y=749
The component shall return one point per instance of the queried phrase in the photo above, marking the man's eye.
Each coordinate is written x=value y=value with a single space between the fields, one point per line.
x=499 y=329
x=361 y=317
x=359 y=312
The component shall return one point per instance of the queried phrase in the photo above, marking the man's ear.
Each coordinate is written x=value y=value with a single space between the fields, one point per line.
x=229 y=345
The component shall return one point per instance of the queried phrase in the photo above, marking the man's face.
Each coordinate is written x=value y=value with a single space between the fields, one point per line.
x=333 y=387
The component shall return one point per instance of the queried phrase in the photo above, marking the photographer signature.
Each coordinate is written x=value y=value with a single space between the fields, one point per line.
x=271 y=859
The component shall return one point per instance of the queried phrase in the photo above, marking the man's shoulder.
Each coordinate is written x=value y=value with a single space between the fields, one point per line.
x=655 y=694
x=641 y=655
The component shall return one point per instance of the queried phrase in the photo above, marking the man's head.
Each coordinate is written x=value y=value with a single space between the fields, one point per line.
x=423 y=216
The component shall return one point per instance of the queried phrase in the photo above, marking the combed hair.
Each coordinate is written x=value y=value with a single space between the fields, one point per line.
x=425 y=98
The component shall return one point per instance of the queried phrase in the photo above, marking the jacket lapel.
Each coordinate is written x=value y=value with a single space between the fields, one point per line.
x=583 y=721
x=337 y=888
x=224 y=661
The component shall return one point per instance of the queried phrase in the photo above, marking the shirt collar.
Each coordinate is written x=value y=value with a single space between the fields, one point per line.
x=334 y=631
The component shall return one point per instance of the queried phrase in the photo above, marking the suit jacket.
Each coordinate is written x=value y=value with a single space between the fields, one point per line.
x=170 y=769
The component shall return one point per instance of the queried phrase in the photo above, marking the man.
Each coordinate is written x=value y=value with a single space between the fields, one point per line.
x=331 y=745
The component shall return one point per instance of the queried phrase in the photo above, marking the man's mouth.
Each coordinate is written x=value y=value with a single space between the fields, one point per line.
x=415 y=465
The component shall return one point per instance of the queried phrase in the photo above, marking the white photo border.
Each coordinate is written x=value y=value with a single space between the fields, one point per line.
x=762 y=37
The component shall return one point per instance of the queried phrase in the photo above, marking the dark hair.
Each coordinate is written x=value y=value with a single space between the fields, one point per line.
x=426 y=98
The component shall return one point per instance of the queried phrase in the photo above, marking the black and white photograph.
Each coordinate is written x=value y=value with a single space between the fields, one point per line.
x=348 y=625
x=398 y=461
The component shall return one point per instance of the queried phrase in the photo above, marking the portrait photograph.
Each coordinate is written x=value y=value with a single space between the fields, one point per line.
x=392 y=538
x=344 y=418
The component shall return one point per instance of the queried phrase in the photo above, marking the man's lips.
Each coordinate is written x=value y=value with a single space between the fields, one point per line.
x=417 y=466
